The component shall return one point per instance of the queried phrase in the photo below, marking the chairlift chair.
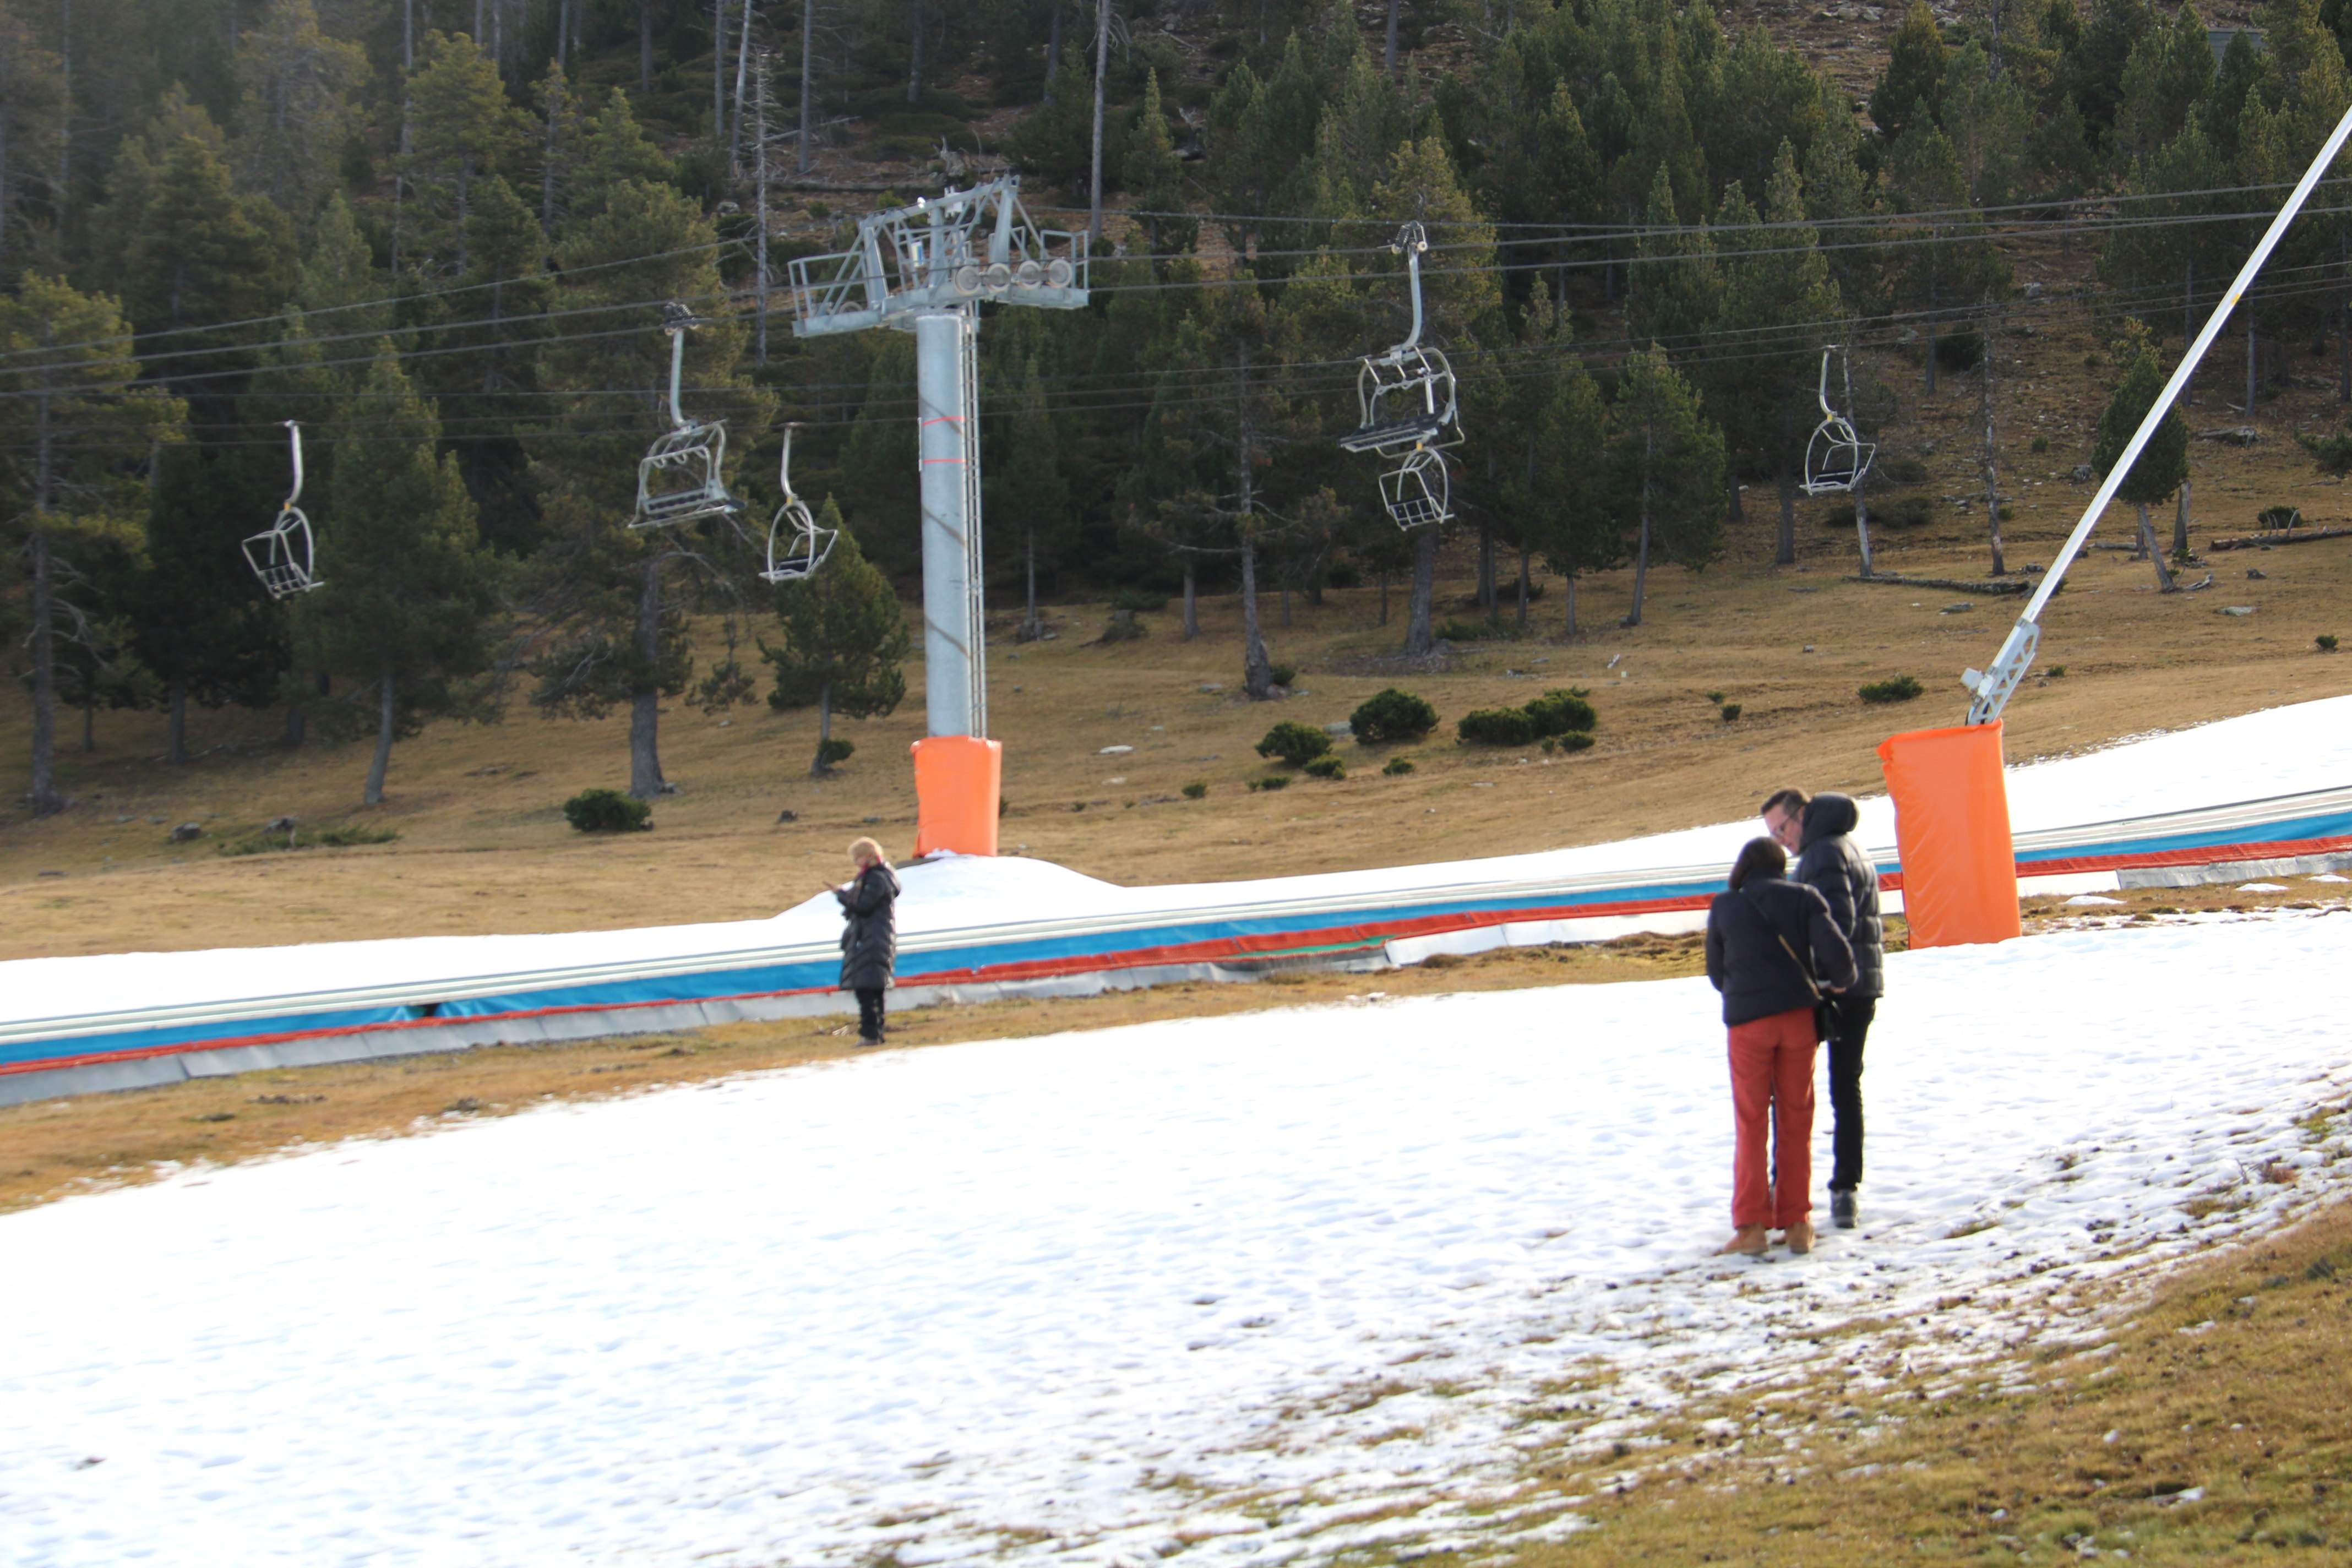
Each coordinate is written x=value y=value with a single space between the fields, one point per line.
x=1837 y=456
x=1418 y=493
x=1405 y=396
x=283 y=554
x=796 y=545
x=679 y=480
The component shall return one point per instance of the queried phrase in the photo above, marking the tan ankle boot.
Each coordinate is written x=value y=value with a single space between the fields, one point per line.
x=1748 y=1241
x=1801 y=1238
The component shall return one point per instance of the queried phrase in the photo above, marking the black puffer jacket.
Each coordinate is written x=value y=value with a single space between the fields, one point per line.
x=1832 y=864
x=1746 y=962
x=869 y=944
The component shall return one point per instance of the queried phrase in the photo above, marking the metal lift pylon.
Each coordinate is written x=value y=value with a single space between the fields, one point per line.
x=927 y=270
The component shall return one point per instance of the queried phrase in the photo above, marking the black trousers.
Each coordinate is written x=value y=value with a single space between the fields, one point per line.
x=869 y=1011
x=1850 y=1019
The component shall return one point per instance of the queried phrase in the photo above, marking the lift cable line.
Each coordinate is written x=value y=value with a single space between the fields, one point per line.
x=1991 y=689
x=283 y=555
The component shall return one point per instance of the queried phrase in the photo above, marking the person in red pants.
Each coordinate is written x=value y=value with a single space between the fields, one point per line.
x=1774 y=951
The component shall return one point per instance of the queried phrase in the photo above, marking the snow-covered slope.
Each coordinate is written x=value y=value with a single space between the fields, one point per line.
x=1077 y=1298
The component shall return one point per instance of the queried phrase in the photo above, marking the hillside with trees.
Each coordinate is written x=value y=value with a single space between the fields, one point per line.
x=442 y=238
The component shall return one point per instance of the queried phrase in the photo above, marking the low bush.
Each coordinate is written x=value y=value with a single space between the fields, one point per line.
x=835 y=751
x=1560 y=712
x=1284 y=674
x=1466 y=631
x=1575 y=741
x=1139 y=601
x=2041 y=444
x=1195 y=790
x=1391 y=715
x=2324 y=642
x=1496 y=727
x=1963 y=349
x=266 y=841
x=1899 y=470
x=2278 y=519
x=2057 y=671
x=1271 y=781
x=1326 y=768
x=1905 y=511
x=1900 y=689
x=1398 y=767
x=1730 y=712
x=1124 y=627
x=1294 y=742
x=607 y=811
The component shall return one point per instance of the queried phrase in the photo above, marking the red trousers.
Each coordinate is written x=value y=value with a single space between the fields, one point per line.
x=1772 y=1071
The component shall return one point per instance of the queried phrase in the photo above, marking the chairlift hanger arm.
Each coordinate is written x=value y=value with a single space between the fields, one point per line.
x=1991 y=689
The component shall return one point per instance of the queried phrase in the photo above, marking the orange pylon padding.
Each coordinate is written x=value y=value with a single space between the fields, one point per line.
x=1951 y=827
x=959 y=780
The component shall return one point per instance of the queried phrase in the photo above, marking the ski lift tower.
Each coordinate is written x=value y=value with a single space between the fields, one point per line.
x=927 y=270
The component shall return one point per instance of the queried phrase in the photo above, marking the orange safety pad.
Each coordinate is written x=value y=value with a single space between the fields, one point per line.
x=959 y=780
x=1951 y=827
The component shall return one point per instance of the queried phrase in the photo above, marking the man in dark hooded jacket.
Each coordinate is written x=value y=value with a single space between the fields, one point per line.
x=1819 y=832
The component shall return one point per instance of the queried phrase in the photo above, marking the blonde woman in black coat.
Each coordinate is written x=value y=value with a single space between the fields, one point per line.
x=869 y=940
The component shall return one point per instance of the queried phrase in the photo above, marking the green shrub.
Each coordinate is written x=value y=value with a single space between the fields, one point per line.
x=1905 y=511
x=607 y=811
x=1139 y=601
x=1496 y=727
x=1271 y=781
x=1294 y=742
x=1899 y=470
x=1714 y=697
x=1559 y=713
x=1576 y=741
x=1465 y=631
x=2057 y=671
x=2042 y=443
x=266 y=841
x=1391 y=715
x=1326 y=768
x=1730 y=712
x=1284 y=674
x=1398 y=767
x=1195 y=790
x=2326 y=641
x=1124 y=627
x=1963 y=349
x=1901 y=689
x=835 y=751
x=2278 y=519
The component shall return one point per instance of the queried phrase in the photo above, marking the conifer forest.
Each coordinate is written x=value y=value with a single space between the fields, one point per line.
x=429 y=250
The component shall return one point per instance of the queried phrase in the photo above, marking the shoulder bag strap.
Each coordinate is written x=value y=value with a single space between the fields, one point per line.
x=1802 y=967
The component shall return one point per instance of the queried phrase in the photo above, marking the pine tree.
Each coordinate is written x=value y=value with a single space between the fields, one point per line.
x=1781 y=296
x=1954 y=264
x=295 y=113
x=1910 y=89
x=463 y=132
x=2162 y=466
x=612 y=631
x=1027 y=498
x=1156 y=175
x=70 y=405
x=409 y=595
x=1667 y=469
x=843 y=641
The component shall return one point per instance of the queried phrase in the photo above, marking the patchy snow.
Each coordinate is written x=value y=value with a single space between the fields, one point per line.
x=2090 y=900
x=1220 y=1291
x=2262 y=888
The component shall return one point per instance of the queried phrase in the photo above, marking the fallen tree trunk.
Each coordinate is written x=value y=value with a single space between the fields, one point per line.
x=2300 y=536
x=1949 y=584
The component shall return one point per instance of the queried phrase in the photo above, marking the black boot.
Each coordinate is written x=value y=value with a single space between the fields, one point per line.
x=1841 y=1208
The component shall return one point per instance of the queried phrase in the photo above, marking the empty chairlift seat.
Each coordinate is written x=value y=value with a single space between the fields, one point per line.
x=284 y=554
